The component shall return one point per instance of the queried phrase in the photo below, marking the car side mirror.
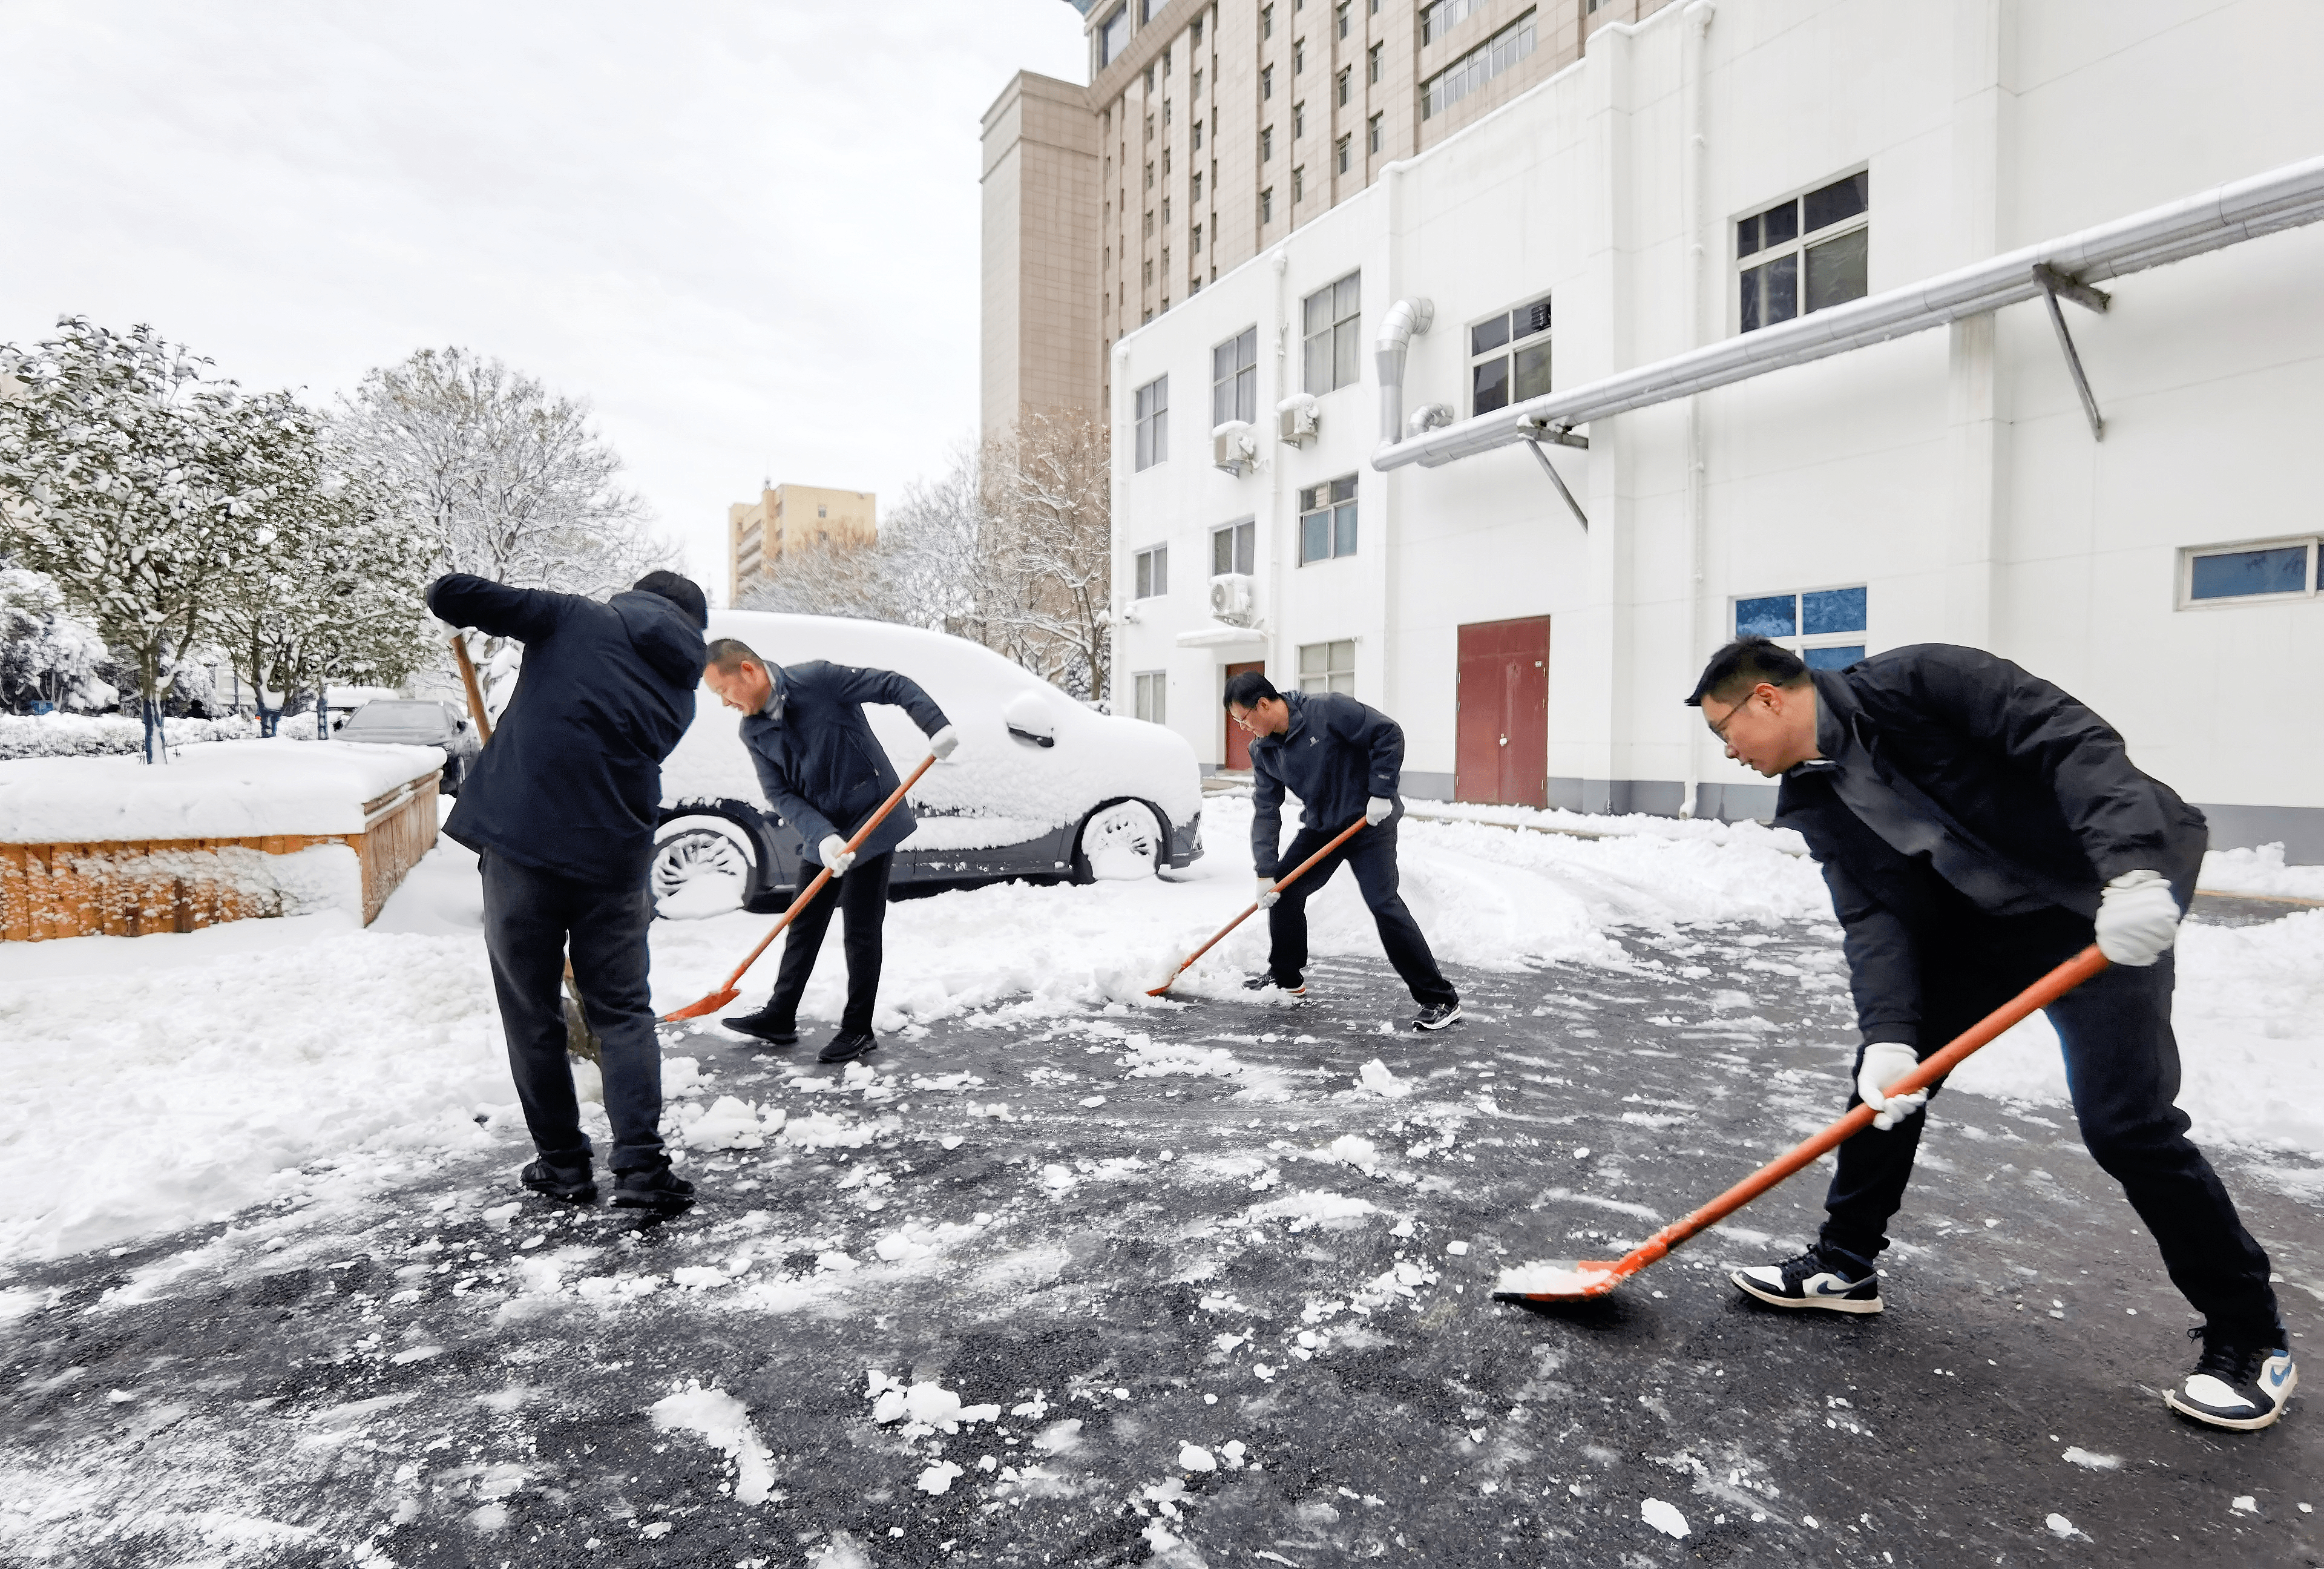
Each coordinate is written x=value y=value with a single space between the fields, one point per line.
x=1028 y=719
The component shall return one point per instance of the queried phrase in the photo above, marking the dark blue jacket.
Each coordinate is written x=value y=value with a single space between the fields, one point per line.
x=571 y=780
x=1956 y=787
x=818 y=762
x=1334 y=756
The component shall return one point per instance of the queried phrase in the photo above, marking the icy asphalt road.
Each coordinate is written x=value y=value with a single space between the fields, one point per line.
x=439 y=1379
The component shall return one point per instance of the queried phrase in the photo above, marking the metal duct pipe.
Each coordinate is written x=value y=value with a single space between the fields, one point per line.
x=2281 y=199
x=1405 y=318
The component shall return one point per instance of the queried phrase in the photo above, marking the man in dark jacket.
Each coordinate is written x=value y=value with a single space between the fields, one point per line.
x=1978 y=826
x=1342 y=760
x=560 y=809
x=821 y=769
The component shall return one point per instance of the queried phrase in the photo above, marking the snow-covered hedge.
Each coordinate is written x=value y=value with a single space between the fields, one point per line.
x=106 y=735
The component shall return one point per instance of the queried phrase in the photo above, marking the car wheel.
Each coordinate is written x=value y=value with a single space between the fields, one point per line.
x=701 y=867
x=1121 y=841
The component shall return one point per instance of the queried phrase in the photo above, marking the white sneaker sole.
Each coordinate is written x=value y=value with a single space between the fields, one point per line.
x=1828 y=1303
x=2235 y=1424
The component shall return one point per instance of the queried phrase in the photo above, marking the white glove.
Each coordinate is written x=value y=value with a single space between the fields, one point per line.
x=836 y=854
x=1267 y=893
x=1376 y=810
x=944 y=741
x=1885 y=1062
x=2138 y=919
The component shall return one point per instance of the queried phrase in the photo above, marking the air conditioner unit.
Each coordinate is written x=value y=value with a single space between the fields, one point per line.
x=1234 y=599
x=1294 y=419
x=1234 y=446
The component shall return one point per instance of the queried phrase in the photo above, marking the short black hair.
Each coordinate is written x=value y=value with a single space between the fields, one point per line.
x=728 y=654
x=679 y=590
x=1248 y=690
x=1743 y=664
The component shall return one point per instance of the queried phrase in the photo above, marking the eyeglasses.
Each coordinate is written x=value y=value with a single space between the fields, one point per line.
x=1719 y=726
x=1244 y=719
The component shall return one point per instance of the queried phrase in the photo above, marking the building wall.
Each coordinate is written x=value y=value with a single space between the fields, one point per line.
x=1040 y=250
x=786 y=516
x=1950 y=472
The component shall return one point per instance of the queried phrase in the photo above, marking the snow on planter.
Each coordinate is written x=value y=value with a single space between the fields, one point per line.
x=233 y=830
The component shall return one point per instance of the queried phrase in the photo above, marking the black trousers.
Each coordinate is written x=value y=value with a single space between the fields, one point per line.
x=530 y=919
x=860 y=895
x=1371 y=856
x=2122 y=1069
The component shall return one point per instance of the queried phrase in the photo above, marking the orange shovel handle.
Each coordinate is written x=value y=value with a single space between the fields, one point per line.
x=1280 y=884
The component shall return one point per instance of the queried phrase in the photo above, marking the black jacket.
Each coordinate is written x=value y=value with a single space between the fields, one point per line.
x=818 y=762
x=1335 y=755
x=1956 y=787
x=571 y=781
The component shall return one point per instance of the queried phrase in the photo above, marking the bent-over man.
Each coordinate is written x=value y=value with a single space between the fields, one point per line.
x=820 y=766
x=561 y=808
x=1977 y=827
x=1343 y=760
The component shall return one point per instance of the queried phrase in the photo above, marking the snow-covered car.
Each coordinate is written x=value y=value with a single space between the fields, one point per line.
x=415 y=723
x=1042 y=786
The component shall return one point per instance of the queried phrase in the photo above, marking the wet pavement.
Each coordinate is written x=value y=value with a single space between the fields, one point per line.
x=1228 y=1307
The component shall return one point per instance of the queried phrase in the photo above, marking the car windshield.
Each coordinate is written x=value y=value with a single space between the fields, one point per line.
x=402 y=718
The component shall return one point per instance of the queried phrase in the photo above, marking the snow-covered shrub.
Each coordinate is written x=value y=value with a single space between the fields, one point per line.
x=109 y=735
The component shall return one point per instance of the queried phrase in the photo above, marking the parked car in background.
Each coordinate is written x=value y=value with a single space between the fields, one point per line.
x=1041 y=787
x=418 y=723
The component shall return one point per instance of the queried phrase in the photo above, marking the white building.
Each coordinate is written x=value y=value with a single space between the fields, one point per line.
x=1943 y=486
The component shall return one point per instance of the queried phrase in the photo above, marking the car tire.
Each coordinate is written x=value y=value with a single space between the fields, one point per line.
x=1126 y=825
x=696 y=846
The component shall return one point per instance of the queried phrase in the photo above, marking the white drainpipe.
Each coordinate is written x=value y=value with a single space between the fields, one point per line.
x=1404 y=319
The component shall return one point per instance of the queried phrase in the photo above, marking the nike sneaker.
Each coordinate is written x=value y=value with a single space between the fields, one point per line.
x=1824 y=1277
x=2241 y=1380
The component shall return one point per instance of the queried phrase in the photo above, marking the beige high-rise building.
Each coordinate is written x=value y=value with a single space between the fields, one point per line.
x=1208 y=130
x=786 y=517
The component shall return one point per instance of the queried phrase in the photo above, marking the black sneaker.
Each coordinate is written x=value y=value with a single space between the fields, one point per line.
x=565 y=1184
x=657 y=1188
x=765 y=1026
x=1263 y=982
x=847 y=1046
x=2241 y=1380
x=1825 y=1277
x=1437 y=1015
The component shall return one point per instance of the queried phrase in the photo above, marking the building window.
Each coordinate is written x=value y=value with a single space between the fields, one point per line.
x=1824 y=626
x=1153 y=419
x=1267 y=206
x=1153 y=571
x=1194 y=283
x=1372 y=64
x=1234 y=379
x=1153 y=692
x=1194 y=187
x=1330 y=324
x=1266 y=82
x=1194 y=240
x=1443 y=16
x=1509 y=357
x=1165 y=160
x=1195 y=84
x=1147 y=281
x=2273 y=569
x=1149 y=223
x=1196 y=32
x=1298 y=121
x=1346 y=80
x=1198 y=133
x=1165 y=113
x=1804 y=253
x=1341 y=153
x=1328 y=667
x=1299 y=185
x=1165 y=212
x=1112 y=36
x=1479 y=66
x=1340 y=18
x=1234 y=547
x=1372 y=134
x=1267 y=22
x=1327 y=521
x=1149 y=127
x=1266 y=143
x=1149 y=174
x=1298 y=56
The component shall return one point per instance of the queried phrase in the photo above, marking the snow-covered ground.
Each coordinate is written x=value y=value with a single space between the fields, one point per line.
x=168 y=1080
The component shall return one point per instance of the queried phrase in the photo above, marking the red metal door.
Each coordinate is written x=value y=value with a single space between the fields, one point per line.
x=1237 y=754
x=1500 y=748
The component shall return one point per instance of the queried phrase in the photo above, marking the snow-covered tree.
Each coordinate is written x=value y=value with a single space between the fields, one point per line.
x=1047 y=487
x=509 y=478
x=124 y=483
x=45 y=655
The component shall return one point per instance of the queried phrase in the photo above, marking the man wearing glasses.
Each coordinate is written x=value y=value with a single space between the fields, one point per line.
x=1341 y=759
x=1978 y=826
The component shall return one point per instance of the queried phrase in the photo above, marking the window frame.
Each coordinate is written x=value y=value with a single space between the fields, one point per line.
x=1106 y=56
x=1326 y=500
x=1151 y=420
x=1800 y=642
x=1240 y=385
x=1242 y=536
x=2190 y=554
x=1150 y=696
x=1149 y=572
x=1798 y=246
x=1352 y=325
x=1507 y=350
x=1333 y=671
x=1493 y=67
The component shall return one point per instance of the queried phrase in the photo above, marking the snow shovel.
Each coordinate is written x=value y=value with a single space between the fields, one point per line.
x=1280 y=884
x=1582 y=1280
x=582 y=1040
x=730 y=991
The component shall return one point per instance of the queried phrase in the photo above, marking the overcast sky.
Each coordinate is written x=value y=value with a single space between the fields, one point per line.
x=746 y=231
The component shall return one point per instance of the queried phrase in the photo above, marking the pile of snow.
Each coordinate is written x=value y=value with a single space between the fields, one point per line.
x=725 y=1423
x=2261 y=872
x=106 y=735
x=232 y=790
x=1558 y=820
